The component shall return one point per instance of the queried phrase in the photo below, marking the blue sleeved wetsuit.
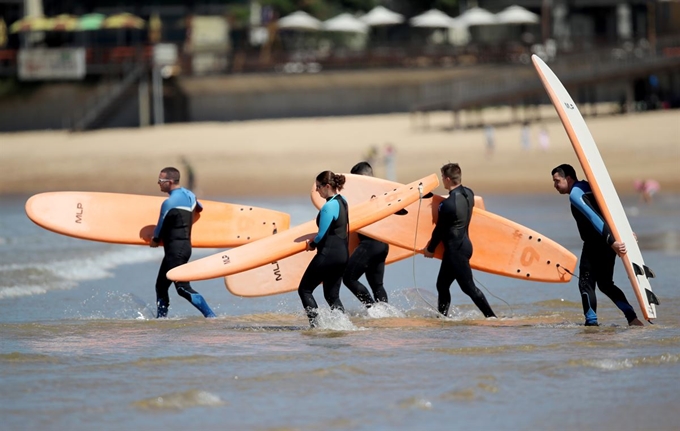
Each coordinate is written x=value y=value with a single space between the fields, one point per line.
x=174 y=230
x=586 y=211
x=332 y=253
x=596 y=266
x=453 y=220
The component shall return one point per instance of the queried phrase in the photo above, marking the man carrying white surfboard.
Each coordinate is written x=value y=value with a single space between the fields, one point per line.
x=174 y=231
x=451 y=229
x=598 y=257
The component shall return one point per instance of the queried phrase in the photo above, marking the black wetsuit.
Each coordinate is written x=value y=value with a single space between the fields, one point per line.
x=368 y=258
x=332 y=253
x=597 y=257
x=454 y=217
x=174 y=231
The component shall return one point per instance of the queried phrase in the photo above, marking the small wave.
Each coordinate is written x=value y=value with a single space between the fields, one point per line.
x=180 y=401
x=622 y=364
x=416 y=403
x=187 y=360
x=19 y=291
x=24 y=358
x=39 y=278
x=489 y=350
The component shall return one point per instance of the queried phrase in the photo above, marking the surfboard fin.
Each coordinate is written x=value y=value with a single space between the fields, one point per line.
x=648 y=272
x=651 y=297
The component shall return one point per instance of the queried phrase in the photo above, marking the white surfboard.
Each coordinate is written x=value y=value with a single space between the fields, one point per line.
x=602 y=186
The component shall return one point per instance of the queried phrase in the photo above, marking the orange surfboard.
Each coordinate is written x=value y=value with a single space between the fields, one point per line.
x=131 y=219
x=292 y=241
x=284 y=275
x=501 y=246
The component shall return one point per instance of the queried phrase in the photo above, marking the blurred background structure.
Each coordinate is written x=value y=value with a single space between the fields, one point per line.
x=86 y=64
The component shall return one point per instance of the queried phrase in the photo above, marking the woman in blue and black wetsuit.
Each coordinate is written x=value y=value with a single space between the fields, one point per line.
x=331 y=244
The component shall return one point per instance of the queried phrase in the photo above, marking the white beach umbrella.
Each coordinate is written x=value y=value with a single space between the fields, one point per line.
x=517 y=15
x=478 y=16
x=380 y=15
x=345 y=23
x=432 y=18
x=299 y=21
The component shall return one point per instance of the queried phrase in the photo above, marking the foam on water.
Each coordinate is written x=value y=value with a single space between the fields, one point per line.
x=65 y=274
x=180 y=401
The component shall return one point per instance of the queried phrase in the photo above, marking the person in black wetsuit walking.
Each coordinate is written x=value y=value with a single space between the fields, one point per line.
x=598 y=256
x=368 y=258
x=332 y=247
x=174 y=231
x=452 y=230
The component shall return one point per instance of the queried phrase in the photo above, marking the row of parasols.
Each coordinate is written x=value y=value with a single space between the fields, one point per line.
x=87 y=22
x=433 y=18
x=345 y=22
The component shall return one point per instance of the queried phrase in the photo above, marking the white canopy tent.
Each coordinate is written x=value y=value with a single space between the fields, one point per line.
x=433 y=18
x=299 y=20
x=517 y=15
x=345 y=23
x=380 y=15
x=478 y=16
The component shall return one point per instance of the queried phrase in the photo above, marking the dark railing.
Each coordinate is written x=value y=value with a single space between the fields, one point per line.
x=574 y=69
x=105 y=98
x=109 y=60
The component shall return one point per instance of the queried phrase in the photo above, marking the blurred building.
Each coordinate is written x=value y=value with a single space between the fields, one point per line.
x=203 y=50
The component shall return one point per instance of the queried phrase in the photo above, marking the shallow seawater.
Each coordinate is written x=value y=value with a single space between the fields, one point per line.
x=79 y=348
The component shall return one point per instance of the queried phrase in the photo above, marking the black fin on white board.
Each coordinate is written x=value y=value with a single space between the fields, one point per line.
x=651 y=297
x=648 y=272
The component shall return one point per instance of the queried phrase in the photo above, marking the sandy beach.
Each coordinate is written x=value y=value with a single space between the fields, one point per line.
x=274 y=157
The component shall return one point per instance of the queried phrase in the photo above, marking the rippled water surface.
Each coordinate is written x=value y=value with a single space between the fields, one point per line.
x=79 y=351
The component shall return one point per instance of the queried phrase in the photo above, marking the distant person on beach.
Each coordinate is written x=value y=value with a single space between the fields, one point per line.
x=191 y=177
x=332 y=247
x=647 y=189
x=174 y=230
x=390 y=162
x=368 y=258
x=490 y=135
x=451 y=229
x=544 y=139
x=372 y=154
x=525 y=136
x=599 y=252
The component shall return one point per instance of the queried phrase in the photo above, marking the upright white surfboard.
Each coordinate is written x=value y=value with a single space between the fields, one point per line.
x=603 y=188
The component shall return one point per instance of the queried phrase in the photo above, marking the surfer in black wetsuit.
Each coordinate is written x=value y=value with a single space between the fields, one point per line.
x=174 y=231
x=452 y=230
x=368 y=258
x=332 y=247
x=599 y=247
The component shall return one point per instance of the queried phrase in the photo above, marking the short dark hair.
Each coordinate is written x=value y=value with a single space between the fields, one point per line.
x=565 y=171
x=452 y=171
x=171 y=174
x=362 y=168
